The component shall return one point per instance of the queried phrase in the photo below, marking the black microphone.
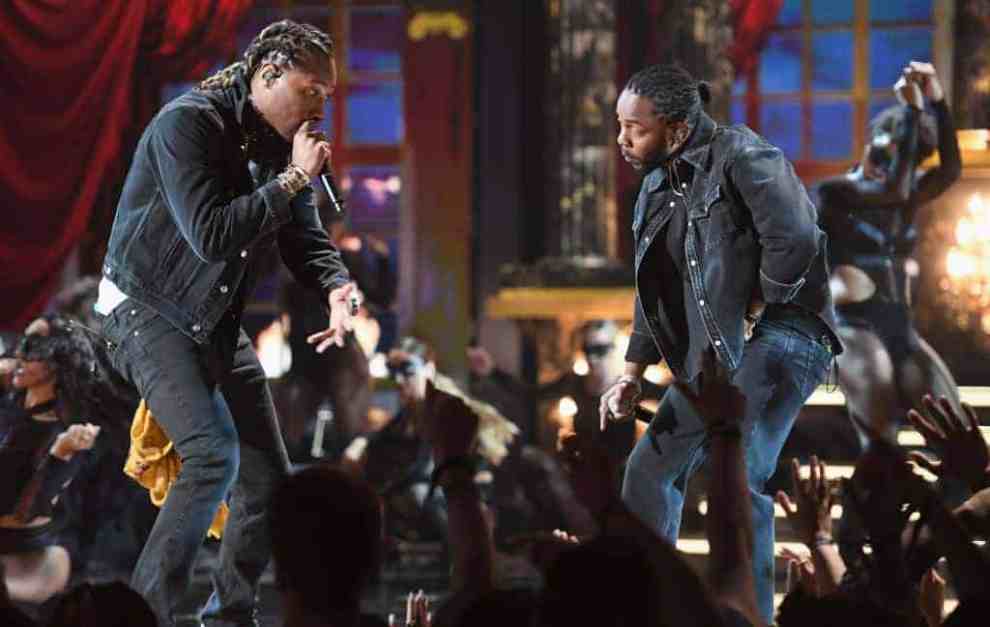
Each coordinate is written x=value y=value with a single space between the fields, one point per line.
x=333 y=193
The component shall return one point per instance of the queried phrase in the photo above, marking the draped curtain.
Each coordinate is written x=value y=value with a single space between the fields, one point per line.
x=79 y=79
x=752 y=20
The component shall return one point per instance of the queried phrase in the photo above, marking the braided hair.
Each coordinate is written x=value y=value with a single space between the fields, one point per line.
x=675 y=94
x=284 y=44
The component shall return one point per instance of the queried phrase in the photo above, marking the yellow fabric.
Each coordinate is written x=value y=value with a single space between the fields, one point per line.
x=153 y=462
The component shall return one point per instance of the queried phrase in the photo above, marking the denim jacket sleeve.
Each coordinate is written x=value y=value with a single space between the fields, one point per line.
x=784 y=218
x=642 y=349
x=306 y=249
x=187 y=154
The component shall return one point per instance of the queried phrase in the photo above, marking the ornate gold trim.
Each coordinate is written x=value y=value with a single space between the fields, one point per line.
x=428 y=23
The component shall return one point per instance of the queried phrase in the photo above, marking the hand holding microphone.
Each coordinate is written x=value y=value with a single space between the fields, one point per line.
x=311 y=152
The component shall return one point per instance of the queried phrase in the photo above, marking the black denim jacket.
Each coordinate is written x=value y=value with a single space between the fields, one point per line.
x=751 y=229
x=192 y=218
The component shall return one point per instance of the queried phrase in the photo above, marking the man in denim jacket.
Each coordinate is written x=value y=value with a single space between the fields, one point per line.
x=220 y=177
x=730 y=274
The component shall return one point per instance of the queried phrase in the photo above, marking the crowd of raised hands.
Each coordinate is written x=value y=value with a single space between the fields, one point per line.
x=886 y=561
x=911 y=525
x=900 y=539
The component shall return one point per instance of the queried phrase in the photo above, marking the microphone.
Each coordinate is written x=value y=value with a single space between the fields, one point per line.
x=330 y=186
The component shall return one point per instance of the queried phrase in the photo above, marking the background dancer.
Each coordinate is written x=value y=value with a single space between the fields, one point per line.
x=220 y=176
x=730 y=275
x=869 y=215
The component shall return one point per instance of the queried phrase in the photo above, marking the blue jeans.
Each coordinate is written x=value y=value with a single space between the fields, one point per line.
x=780 y=369
x=213 y=402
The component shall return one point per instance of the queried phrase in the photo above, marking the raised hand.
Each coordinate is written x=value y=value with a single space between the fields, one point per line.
x=448 y=424
x=74 y=439
x=720 y=403
x=931 y=597
x=908 y=92
x=480 y=361
x=418 y=610
x=882 y=484
x=956 y=440
x=800 y=573
x=591 y=472
x=341 y=319
x=810 y=513
x=924 y=74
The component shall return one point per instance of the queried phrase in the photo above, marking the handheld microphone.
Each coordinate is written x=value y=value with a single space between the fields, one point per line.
x=330 y=186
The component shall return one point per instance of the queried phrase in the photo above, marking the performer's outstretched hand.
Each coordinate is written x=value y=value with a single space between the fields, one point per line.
x=340 y=319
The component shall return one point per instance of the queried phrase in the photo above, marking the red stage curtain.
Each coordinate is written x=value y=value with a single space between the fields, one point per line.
x=752 y=20
x=78 y=80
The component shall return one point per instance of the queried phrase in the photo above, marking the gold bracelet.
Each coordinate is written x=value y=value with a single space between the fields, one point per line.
x=293 y=179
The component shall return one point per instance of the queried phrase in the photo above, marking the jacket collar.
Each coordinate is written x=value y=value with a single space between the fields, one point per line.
x=694 y=153
x=260 y=141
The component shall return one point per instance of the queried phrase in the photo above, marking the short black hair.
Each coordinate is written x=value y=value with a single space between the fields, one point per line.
x=326 y=530
x=676 y=95
x=891 y=121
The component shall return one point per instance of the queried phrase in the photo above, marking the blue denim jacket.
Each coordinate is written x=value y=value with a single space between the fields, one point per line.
x=751 y=229
x=192 y=217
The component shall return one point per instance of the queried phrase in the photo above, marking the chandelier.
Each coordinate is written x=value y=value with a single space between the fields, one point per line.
x=964 y=289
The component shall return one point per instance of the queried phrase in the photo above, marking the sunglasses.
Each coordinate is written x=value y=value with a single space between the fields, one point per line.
x=596 y=351
x=399 y=371
x=34 y=348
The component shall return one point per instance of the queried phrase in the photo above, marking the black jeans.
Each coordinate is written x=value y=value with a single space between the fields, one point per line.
x=214 y=403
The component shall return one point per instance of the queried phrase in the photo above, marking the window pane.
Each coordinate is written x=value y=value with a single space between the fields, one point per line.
x=374 y=113
x=375 y=36
x=737 y=112
x=318 y=16
x=327 y=124
x=373 y=197
x=780 y=63
x=780 y=124
x=739 y=87
x=831 y=130
x=790 y=13
x=892 y=48
x=832 y=67
x=892 y=10
x=253 y=23
x=832 y=11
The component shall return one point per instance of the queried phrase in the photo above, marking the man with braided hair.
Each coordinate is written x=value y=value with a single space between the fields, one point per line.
x=731 y=282
x=221 y=175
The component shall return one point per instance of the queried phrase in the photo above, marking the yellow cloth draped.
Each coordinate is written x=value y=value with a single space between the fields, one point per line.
x=153 y=462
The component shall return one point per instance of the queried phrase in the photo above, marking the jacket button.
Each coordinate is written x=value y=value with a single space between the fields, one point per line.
x=243 y=254
x=224 y=289
x=196 y=328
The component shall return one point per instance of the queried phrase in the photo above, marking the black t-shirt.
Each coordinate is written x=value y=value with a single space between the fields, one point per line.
x=25 y=463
